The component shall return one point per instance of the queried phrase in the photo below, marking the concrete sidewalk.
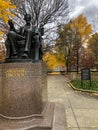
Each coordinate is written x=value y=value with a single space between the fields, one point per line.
x=81 y=108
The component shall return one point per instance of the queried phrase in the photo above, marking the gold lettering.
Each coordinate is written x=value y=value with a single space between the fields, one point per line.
x=15 y=72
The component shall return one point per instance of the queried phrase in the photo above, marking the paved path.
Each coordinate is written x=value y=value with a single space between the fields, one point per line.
x=81 y=108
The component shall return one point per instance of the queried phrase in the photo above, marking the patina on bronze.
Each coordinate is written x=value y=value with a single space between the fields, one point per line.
x=25 y=43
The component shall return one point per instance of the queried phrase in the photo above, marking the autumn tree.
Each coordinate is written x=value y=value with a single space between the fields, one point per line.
x=70 y=39
x=64 y=44
x=93 y=48
x=5 y=13
x=51 y=60
x=67 y=43
x=87 y=60
x=84 y=28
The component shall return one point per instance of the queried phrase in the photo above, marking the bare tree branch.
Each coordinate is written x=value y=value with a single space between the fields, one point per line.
x=43 y=11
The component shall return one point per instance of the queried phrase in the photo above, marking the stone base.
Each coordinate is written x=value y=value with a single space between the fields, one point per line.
x=23 y=89
x=53 y=118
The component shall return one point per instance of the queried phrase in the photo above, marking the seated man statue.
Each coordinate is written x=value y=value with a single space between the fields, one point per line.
x=11 y=41
x=26 y=43
x=32 y=43
x=33 y=39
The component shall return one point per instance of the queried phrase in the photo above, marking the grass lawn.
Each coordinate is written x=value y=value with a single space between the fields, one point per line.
x=86 y=84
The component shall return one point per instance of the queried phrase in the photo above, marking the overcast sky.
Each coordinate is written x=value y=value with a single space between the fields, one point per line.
x=88 y=7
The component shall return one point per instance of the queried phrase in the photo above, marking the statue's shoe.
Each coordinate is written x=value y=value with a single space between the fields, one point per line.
x=24 y=55
x=14 y=56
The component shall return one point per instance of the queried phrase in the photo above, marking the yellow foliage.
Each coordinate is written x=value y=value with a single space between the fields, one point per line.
x=1 y=35
x=5 y=7
x=5 y=11
x=71 y=37
x=83 y=27
x=52 y=61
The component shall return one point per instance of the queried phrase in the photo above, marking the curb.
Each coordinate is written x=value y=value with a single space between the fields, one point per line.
x=82 y=90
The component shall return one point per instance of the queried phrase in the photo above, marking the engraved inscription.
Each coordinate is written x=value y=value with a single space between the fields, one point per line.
x=15 y=72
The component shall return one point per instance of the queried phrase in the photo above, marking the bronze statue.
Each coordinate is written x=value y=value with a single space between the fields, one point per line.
x=11 y=44
x=41 y=32
x=27 y=32
x=25 y=43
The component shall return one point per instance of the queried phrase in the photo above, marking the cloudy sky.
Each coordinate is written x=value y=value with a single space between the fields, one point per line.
x=88 y=7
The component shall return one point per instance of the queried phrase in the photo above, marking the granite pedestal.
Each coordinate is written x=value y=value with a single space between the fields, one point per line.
x=23 y=98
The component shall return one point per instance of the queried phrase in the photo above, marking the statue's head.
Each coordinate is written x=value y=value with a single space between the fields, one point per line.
x=10 y=22
x=27 y=18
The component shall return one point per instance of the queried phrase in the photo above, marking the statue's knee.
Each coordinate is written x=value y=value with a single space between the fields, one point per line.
x=29 y=31
x=11 y=33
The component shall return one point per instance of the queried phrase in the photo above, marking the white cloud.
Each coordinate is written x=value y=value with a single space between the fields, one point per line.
x=88 y=7
x=76 y=12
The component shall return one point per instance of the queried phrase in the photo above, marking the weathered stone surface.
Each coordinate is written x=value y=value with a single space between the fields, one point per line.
x=53 y=118
x=0 y=87
x=22 y=87
x=23 y=99
x=45 y=122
